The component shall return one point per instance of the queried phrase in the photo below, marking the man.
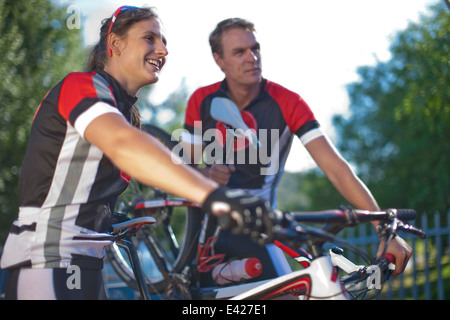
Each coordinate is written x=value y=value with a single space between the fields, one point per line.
x=267 y=107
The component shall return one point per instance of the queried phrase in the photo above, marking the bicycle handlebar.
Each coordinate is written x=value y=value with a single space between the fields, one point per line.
x=352 y=216
x=290 y=225
x=390 y=258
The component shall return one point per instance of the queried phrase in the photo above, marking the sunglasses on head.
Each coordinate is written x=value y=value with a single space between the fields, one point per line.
x=113 y=20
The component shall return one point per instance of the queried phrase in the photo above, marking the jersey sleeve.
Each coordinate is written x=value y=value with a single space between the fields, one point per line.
x=83 y=98
x=298 y=115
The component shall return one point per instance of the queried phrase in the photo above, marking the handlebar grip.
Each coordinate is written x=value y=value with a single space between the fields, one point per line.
x=413 y=230
x=390 y=258
x=406 y=214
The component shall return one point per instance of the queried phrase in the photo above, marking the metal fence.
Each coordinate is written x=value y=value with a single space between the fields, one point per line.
x=427 y=275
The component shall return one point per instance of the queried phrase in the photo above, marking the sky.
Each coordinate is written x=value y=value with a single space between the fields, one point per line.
x=311 y=47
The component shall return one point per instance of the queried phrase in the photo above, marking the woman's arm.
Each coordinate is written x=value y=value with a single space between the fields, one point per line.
x=145 y=158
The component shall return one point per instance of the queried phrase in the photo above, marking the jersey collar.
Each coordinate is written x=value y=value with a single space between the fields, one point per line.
x=124 y=100
x=223 y=89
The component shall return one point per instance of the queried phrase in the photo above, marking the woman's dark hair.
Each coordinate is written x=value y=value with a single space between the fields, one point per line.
x=99 y=52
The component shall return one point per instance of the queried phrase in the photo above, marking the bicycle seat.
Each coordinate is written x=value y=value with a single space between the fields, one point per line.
x=132 y=223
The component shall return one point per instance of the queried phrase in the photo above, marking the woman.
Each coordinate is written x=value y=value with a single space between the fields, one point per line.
x=83 y=147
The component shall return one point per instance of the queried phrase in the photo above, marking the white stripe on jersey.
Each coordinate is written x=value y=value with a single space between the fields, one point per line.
x=62 y=166
x=88 y=173
x=311 y=135
x=96 y=110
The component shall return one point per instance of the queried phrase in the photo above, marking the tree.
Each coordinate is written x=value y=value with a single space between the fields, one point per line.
x=310 y=190
x=38 y=49
x=169 y=115
x=397 y=134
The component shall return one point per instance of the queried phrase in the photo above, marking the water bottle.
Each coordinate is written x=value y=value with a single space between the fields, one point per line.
x=237 y=270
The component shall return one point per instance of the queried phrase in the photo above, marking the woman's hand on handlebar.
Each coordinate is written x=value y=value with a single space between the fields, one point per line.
x=242 y=213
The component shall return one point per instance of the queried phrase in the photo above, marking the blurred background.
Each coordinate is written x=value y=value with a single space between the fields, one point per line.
x=376 y=74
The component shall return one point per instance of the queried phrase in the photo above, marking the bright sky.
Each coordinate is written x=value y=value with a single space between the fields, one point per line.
x=310 y=47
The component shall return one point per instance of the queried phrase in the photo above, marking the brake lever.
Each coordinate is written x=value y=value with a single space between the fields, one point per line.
x=387 y=231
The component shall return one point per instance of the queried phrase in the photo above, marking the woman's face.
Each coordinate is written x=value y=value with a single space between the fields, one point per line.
x=142 y=53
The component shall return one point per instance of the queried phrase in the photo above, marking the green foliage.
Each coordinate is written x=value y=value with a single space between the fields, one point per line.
x=397 y=134
x=38 y=49
x=170 y=114
x=309 y=190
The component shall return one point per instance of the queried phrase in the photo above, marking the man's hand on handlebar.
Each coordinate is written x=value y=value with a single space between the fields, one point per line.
x=400 y=250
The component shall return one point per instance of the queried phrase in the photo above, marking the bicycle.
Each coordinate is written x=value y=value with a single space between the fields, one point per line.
x=319 y=279
x=179 y=267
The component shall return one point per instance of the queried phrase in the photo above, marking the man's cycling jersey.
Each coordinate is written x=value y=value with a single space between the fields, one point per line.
x=67 y=186
x=276 y=114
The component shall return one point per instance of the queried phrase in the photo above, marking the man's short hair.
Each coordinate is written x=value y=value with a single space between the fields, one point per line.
x=215 y=38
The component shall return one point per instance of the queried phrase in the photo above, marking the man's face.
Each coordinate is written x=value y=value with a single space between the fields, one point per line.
x=241 y=58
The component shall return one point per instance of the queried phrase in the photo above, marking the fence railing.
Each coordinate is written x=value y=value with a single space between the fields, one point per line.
x=427 y=275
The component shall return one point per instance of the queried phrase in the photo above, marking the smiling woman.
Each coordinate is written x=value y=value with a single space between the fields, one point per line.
x=83 y=148
x=141 y=52
x=133 y=41
x=114 y=27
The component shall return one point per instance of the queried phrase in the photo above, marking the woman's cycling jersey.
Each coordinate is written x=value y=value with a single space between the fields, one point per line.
x=67 y=186
x=276 y=115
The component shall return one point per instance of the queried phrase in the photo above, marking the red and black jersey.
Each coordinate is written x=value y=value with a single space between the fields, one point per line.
x=276 y=115
x=67 y=186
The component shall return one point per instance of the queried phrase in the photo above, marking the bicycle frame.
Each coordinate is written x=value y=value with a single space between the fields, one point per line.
x=318 y=281
x=150 y=205
x=121 y=233
x=308 y=283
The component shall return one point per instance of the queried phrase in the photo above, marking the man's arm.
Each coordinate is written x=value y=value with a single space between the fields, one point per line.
x=341 y=175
